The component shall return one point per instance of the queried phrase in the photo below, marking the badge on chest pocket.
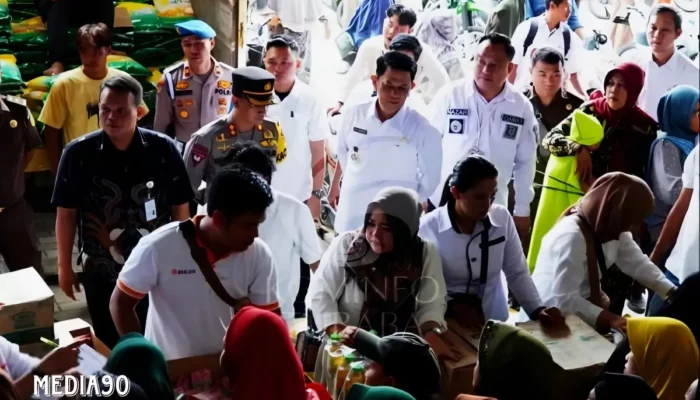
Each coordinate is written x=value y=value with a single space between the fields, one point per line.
x=510 y=132
x=457 y=126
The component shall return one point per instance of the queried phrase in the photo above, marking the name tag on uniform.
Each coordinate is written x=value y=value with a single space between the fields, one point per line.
x=458 y=111
x=511 y=132
x=512 y=119
x=150 y=206
x=457 y=126
x=359 y=130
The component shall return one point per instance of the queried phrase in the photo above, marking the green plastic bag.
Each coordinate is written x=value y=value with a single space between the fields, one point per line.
x=143 y=16
x=42 y=83
x=10 y=71
x=128 y=65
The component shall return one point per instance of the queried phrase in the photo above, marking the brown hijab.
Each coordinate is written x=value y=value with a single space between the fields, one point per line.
x=614 y=203
x=7 y=387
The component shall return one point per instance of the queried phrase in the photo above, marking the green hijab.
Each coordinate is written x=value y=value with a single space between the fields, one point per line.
x=143 y=363
x=364 y=392
x=507 y=351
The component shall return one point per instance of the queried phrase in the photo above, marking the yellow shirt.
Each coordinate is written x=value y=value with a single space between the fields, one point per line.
x=72 y=104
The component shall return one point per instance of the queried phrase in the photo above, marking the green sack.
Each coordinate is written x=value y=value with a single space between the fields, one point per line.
x=143 y=16
x=128 y=65
x=42 y=83
x=10 y=73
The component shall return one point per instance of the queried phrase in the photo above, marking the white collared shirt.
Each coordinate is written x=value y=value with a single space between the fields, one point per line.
x=431 y=75
x=679 y=70
x=504 y=130
x=561 y=273
x=544 y=37
x=506 y=256
x=403 y=151
x=364 y=91
x=303 y=120
x=685 y=256
x=336 y=300
x=290 y=233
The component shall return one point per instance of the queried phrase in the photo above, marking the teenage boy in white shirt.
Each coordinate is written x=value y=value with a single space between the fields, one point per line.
x=186 y=316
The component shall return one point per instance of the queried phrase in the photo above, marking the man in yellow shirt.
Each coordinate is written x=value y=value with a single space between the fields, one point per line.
x=72 y=105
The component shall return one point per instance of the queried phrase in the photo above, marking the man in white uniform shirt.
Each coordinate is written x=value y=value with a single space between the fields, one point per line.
x=384 y=142
x=430 y=76
x=488 y=116
x=664 y=65
x=304 y=123
x=189 y=311
x=549 y=29
x=288 y=230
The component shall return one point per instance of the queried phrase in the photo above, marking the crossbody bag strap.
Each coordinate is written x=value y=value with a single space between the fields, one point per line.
x=199 y=256
x=592 y=263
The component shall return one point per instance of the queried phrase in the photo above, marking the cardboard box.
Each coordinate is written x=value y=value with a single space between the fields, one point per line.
x=457 y=375
x=65 y=333
x=26 y=307
x=581 y=352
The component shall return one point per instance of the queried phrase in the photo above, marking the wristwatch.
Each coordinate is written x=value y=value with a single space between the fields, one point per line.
x=317 y=194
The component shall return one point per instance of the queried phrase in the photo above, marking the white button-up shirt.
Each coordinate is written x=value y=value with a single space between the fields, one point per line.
x=685 y=256
x=334 y=299
x=506 y=256
x=364 y=91
x=544 y=37
x=431 y=75
x=303 y=119
x=503 y=130
x=403 y=151
x=561 y=273
x=290 y=233
x=679 y=70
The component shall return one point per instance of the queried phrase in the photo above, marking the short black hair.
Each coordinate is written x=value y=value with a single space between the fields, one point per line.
x=251 y=156
x=283 y=42
x=406 y=15
x=397 y=61
x=99 y=34
x=557 y=3
x=668 y=9
x=235 y=191
x=124 y=84
x=547 y=55
x=503 y=40
x=406 y=42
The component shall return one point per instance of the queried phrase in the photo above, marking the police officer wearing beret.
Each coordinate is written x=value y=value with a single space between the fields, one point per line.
x=194 y=92
x=253 y=92
x=18 y=136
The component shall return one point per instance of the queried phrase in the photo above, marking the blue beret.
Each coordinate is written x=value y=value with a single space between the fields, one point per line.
x=195 y=27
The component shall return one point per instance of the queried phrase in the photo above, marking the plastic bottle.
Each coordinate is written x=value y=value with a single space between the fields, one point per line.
x=333 y=357
x=342 y=373
x=356 y=375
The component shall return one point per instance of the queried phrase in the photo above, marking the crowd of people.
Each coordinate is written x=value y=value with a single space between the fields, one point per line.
x=575 y=202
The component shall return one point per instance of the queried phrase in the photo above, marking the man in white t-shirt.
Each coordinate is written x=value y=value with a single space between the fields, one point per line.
x=549 y=29
x=665 y=66
x=288 y=230
x=186 y=315
x=304 y=122
x=681 y=226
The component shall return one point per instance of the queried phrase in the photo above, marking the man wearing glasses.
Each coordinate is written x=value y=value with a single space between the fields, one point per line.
x=196 y=91
x=205 y=154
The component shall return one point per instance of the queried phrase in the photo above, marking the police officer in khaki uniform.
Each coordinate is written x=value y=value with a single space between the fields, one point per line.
x=253 y=92
x=195 y=92
x=18 y=136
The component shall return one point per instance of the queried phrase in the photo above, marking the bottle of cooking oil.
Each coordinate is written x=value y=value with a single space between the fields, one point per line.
x=333 y=357
x=341 y=374
x=356 y=375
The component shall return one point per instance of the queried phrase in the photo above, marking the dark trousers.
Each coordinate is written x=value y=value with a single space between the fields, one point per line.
x=98 y=292
x=304 y=281
x=64 y=14
x=18 y=240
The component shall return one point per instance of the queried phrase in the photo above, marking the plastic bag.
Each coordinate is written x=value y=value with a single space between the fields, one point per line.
x=128 y=65
x=29 y=94
x=172 y=11
x=34 y=24
x=10 y=71
x=42 y=83
x=143 y=16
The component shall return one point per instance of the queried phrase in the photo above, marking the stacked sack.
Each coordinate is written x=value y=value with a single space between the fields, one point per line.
x=5 y=27
x=11 y=79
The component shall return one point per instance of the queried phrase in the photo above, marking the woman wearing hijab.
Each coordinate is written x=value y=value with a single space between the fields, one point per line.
x=260 y=361
x=364 y=392
x=561 y=187
x=621 y=387
x=570 y=273
x=382 y=277
x=664 y=354
x=679 y=121
x=629 y=131
x=513 y=365
x=467 y=220
x=143 y=363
